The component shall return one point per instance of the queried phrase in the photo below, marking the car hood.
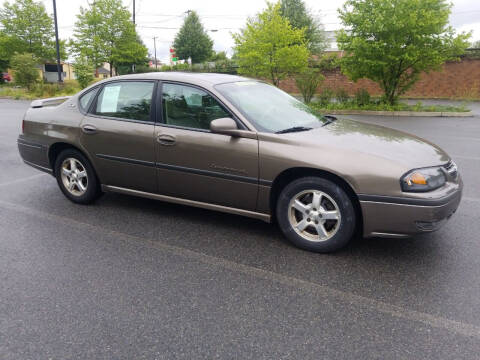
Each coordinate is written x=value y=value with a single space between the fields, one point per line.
x=355 y=137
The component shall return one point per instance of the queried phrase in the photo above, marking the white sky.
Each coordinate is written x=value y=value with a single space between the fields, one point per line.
x=227 y=16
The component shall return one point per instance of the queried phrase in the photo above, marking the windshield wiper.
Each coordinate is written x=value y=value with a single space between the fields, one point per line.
x=330 y=119
x=293 y=129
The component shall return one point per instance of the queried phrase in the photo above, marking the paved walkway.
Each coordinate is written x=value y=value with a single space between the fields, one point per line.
x=472 y=105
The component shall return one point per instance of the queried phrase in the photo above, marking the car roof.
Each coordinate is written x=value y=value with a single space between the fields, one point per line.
x=208 y=79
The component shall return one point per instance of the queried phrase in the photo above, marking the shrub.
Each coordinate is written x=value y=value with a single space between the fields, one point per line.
x=25 y=70
x=84 y=71
x=308 y=82
x=325 y=97
x=165 y=68
x=146 y=69
x=342 y=96
x=177 y=67
x=181 y=67
x=362 y=97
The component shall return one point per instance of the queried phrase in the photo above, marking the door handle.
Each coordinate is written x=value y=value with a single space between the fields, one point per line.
x=89 y=129
x=166 y=139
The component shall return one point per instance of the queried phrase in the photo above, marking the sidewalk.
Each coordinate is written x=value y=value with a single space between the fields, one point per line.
x=474 y=106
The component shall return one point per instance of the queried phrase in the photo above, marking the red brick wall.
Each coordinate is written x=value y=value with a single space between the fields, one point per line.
x=455 y=80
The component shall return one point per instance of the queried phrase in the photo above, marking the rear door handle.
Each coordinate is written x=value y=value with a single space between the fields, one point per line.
x=166 y=139
x=89 y=129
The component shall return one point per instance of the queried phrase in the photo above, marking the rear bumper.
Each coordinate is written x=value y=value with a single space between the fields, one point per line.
x=402 y=217
x=34 y=154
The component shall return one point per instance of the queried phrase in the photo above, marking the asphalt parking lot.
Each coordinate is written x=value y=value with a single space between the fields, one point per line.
x=130 y=278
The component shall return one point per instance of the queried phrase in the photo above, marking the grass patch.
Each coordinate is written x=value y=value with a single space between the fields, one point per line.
x=377 y=106
x=41 y=90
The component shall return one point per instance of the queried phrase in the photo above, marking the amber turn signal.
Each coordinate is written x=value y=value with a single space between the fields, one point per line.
x=417 y=178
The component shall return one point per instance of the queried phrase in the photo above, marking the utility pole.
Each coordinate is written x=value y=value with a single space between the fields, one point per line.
x=133 y=65
x=134 y=12
x=155 y=49
x=56 y=41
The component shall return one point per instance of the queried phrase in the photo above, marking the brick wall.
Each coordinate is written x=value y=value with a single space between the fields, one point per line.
x=455 y=80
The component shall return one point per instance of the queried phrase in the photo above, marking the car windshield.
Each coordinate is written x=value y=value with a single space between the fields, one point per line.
x=270 y=109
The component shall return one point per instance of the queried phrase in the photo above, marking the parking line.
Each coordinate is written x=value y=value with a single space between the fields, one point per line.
x=22 y=179
x=457 y=327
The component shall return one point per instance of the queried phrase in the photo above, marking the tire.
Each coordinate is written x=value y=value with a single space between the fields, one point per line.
x=323 y=219
x=85 y=186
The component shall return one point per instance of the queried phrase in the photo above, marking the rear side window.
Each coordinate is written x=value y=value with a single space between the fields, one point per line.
x=126 y=100
x=87 y=99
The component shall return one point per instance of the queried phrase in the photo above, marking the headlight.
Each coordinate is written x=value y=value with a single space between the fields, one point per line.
x=422 y=180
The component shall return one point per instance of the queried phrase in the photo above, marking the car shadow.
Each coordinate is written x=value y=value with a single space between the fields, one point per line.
x=408 y=249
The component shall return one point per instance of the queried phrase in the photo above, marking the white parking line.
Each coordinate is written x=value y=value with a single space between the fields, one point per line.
x=457 y=327
x=22 y=179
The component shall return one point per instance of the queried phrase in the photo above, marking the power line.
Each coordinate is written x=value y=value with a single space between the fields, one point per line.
x=177 y=28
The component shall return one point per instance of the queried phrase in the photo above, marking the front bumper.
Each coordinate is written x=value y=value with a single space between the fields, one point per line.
x=402 y=217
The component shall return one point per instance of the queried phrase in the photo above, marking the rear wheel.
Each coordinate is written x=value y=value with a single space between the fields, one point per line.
x=316 y=214
x=76 y=177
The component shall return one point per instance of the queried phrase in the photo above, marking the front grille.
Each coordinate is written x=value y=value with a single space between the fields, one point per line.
x=451 y=169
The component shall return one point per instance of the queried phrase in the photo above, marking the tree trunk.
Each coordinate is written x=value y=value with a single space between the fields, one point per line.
x=275 y=80
x=389 y=91
x=111 y=69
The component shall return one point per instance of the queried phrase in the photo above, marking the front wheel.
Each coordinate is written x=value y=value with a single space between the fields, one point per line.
x=76 y=177
x=316 y=214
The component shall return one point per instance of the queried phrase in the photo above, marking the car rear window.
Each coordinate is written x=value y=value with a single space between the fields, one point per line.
x=87 y=98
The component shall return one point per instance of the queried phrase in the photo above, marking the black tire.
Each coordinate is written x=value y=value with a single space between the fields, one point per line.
x=341 y=230
x=92 y=191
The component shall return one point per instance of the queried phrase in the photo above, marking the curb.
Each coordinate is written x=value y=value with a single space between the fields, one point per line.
x=400 y=113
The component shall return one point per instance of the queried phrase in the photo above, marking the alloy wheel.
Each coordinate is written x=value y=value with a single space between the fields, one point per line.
x=314 y=215
x=74 y=176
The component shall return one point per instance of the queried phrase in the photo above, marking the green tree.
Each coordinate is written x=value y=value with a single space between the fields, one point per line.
x=308 y=82
x=84 y=71
x=270 y=47
x=25 y=70
x=218 y=56
x=27 y=28
x=130 y=50
x=4 y=51
x=104 y=33
x=192 y=41
x=301 y=18
x=393 y=41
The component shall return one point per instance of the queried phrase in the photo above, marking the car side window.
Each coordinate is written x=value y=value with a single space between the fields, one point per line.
x=189 y=107
x=126 y=100
x=87 y=99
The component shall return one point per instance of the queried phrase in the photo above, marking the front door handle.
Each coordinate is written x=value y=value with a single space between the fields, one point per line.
x=89 y=129
x=166 y=139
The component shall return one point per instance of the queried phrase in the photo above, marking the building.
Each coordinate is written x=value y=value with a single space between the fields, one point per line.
x=103 y=73
x=49 y=72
